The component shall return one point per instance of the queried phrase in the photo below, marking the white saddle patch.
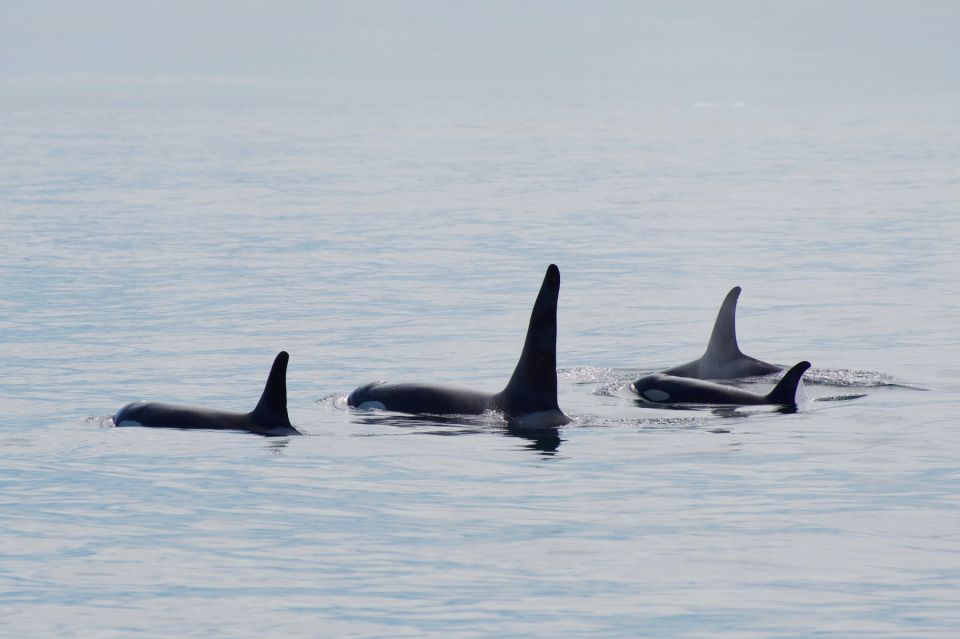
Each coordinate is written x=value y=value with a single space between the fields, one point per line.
x=541 y=419
x=656 y=395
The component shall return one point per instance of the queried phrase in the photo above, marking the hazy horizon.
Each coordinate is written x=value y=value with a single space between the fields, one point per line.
x=724 y=50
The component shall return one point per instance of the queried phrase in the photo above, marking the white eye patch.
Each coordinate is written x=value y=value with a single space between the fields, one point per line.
x=371 y=405
x=656 y=395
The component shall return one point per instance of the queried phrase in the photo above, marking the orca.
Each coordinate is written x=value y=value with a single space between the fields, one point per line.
x=723 y=358
x=661 y=388
x=269 y=418
x=530 y=397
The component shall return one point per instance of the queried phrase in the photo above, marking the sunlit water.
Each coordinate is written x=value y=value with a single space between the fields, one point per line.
x=164 y=242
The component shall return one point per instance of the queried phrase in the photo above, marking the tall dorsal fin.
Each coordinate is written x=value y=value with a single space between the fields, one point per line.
x=785 y=392
x=273 y=403
x=533 y=386
x=723 y=339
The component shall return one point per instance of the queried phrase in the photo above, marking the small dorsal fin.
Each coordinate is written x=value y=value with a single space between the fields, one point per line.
x=533 y=385
x=785 y=392
x=273 y=403
x=723 y=339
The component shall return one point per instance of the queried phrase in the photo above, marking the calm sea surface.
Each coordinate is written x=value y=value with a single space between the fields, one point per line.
x=163 y=241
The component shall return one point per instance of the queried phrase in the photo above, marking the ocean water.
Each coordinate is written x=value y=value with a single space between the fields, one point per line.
x=164 y=239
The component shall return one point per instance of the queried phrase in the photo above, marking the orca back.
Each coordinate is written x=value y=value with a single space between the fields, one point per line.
x=423 y=399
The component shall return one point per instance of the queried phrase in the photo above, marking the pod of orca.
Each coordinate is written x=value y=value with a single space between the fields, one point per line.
x=529 y=399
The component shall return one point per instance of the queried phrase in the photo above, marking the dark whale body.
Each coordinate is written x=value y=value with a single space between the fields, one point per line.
x=530 y=397
x=269 y=418
x=723 y=358
x=661 y=388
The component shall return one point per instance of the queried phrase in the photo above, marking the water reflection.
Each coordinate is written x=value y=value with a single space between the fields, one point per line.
x=544 y=440
x=276 y=445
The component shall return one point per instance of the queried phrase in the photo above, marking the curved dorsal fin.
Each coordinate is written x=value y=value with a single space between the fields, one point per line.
x=533 y=385
x=723 y=339
x=785 y=392
x=273 y=403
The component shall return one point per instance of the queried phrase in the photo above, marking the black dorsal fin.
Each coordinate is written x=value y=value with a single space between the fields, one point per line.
x=533 y=386
x=723 y=339
x=273 y=403
x=785 y=392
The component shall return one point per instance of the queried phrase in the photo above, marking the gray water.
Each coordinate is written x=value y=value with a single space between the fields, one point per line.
x=163 y=240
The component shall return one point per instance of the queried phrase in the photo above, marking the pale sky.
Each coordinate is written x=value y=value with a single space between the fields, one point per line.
x=497 y=44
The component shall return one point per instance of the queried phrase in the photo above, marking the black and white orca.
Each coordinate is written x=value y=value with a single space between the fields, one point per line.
x=268 y=418
x=661 y=388
x=530 y=397
x=723 y=358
